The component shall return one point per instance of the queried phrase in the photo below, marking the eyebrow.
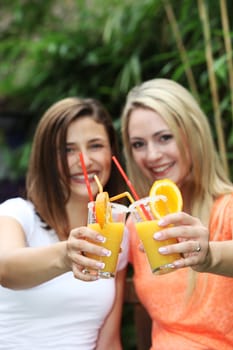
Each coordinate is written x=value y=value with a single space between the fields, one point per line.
x=154 y=135
x=97 y=139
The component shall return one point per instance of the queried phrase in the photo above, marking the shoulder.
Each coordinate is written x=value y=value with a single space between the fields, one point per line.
x=21 y=210
x=221 y=219
x=223 y=204
x=16 y=205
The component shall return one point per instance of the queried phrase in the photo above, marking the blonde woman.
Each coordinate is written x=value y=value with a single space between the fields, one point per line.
x=166 y=135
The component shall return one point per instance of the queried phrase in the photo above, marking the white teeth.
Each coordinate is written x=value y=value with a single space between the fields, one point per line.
x=82 y=177
x=160 y=169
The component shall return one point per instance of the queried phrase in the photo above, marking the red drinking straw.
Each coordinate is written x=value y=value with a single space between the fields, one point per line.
x=132 y=189
x=86 y=177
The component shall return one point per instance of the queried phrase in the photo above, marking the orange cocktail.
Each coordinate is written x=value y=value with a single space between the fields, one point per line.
x=164 y=198
x=159 y=263
x=108 y=219
x=112 y=230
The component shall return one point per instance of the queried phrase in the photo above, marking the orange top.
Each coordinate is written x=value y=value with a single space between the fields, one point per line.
x=204 y=320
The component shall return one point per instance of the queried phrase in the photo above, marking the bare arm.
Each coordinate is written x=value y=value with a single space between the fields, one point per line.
x=24 y=267
x=219 y=259
x=109 y=336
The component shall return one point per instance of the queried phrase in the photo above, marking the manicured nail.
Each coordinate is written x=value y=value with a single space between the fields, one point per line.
x=106 y=252
x=163 y=250
x=161 y=222
x=158 y=235
x=178 y=263
x=100 y=265
x=169 y=266
x=101 y=238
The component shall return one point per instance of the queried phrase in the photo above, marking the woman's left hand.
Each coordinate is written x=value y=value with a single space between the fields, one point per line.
x=192 y=240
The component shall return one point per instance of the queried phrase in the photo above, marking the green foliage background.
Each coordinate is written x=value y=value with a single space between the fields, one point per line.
x=101 y=48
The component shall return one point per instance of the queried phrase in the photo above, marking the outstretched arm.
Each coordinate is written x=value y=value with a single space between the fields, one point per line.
x=24 y=267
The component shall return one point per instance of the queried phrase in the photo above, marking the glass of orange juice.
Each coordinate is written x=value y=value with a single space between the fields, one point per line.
x=160 y=264
x=112 y=229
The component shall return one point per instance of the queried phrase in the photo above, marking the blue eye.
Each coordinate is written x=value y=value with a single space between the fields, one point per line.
x=166 y=137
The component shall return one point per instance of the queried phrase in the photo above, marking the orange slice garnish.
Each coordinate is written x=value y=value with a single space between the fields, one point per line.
x=102 y=208
x=173 y=199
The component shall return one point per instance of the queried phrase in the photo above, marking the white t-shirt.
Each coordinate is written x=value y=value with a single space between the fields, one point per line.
x=64 y=313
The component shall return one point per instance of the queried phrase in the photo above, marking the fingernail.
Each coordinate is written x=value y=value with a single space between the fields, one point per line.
x=100 y=265
x=106 y=252
x=163 y=250
x=169 y=266
x=178 y=264
x=158 y=235
x=161 y=222
x=101 y=238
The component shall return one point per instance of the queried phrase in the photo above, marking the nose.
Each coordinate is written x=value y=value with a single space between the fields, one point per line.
x=86 y=158
x=153 y=152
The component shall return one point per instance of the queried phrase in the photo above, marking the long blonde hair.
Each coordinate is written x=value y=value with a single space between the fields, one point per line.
x=185 y=118
x=207 y=180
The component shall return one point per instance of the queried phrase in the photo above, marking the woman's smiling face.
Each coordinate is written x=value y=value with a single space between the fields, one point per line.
x=154 y=147
x=89 y=137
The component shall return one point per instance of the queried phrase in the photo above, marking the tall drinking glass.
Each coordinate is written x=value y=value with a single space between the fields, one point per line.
x=160 y=264
x=112 y=230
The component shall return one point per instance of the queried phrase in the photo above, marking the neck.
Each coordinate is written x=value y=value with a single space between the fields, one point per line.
x=77 y=213
x=185 y=191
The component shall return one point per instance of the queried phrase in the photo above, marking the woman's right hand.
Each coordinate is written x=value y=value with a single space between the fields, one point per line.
x=81 y=242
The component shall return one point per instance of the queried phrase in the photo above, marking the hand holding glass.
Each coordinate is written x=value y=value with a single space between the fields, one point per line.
x=112 y=230
x=160 y=264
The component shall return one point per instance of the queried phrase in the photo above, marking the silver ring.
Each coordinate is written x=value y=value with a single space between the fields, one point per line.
x=198 y=249
x=85 y=271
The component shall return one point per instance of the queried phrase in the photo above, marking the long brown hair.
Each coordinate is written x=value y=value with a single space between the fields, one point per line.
x=45 y=186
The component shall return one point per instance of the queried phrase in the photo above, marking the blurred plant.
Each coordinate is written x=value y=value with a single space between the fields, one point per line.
x=14 y=161
x=53 y=49
x=58 y=48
